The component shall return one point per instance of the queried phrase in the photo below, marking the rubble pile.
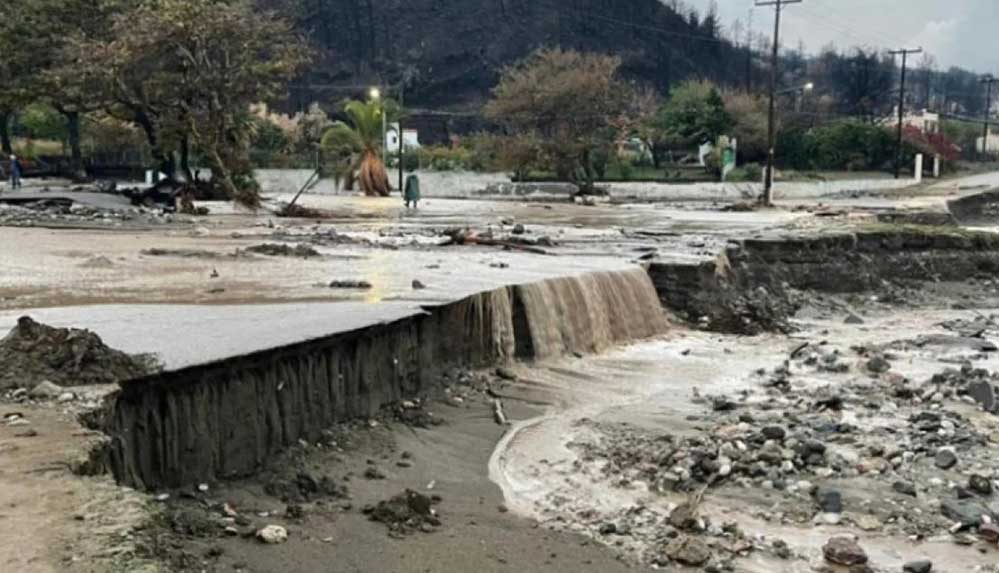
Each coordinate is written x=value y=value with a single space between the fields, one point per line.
x=60 y=213
x=304 y=487
x=412 y=413
x=407 y=512
x=282 y=250
x=33 y=353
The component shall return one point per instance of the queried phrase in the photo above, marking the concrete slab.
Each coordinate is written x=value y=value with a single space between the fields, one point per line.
x=186 y=335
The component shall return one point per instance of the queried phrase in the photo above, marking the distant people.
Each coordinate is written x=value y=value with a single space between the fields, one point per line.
x=412 y=191
x=15 y=172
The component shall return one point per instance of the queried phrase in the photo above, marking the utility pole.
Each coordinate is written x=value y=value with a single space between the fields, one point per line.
x=749 y=53
x=402 y=102
x=901 y=107
x=988 y=81
x=768 y=181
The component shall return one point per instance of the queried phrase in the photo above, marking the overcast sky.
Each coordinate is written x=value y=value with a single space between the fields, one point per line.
x=955 y=32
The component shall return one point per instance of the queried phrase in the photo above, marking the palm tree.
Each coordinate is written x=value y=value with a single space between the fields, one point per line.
x=356 y=148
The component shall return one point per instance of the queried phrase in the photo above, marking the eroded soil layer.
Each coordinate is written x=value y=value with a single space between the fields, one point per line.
x=749 y=287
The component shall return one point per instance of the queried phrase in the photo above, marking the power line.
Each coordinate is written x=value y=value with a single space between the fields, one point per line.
x=822 y=21
x=879 y=37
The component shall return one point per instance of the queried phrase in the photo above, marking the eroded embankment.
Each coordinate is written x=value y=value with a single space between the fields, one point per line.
x=226 y=418
x=976 y=209
x=748 y=287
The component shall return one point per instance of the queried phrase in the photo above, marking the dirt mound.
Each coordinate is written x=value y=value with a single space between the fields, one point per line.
x=34 y=352
x=300 y=212
x=405 y=513
x=305 y=487
x=278 y=250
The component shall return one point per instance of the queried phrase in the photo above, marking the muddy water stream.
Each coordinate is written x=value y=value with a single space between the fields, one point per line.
x=656 y=385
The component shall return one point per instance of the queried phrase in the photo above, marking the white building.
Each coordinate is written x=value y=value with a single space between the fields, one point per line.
x=410 y=138
x=923 y=120
x=991 y=147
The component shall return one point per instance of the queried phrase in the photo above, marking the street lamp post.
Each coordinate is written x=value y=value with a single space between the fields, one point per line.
x=376 y=95
x=800 y=95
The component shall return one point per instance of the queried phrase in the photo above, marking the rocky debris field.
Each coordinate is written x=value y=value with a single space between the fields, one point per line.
x=837 y=436
x=40 y=358
x=57 y=213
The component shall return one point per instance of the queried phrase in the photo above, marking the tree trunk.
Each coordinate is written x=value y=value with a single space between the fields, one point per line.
x=167 y=163
x=77 y=170
x=656 y=151
x=5 y=142
x=185 y=159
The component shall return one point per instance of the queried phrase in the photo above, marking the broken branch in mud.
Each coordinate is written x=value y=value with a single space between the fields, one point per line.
x=797 y=349
x=467 y=237
x=498 y=414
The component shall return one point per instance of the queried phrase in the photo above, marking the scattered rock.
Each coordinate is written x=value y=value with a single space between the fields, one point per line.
x=980 y=484
x=374 y=473
x=989 y=532
x=967 y=514
x=688 y=550
x=350 y=284
x=905 y=488
x=417 y=285
x=878 y=365
x=506 y=374
x=945 y=459
x=844 y=550
x=829 y=500
x=774 y=432
x=272 y=534
x=921 y=566
x=984 y=393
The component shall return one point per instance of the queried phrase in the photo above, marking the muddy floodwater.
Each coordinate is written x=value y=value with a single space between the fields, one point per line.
x=555 y=467
x=508 y=383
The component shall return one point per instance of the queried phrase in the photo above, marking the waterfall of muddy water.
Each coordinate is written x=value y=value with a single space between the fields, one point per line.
x=585 y=314
x=227 y=417
x=652 y=386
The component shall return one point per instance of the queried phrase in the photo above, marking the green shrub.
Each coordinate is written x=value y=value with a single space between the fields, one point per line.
x=444 y=158
x=39 y=121
x=850 y=145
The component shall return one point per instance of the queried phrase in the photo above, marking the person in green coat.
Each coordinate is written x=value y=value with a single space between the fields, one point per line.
x=412 y=192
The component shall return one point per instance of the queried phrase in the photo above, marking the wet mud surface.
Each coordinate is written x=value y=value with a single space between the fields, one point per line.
x=378 y=495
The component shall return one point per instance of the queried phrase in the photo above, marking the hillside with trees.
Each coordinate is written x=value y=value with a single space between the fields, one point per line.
x=451 y=52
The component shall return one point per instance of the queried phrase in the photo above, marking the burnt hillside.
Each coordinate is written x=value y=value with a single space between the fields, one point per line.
x=450 y=52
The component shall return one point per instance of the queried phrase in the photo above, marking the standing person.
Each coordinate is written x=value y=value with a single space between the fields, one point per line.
x=412 y=192
x=15 y=172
